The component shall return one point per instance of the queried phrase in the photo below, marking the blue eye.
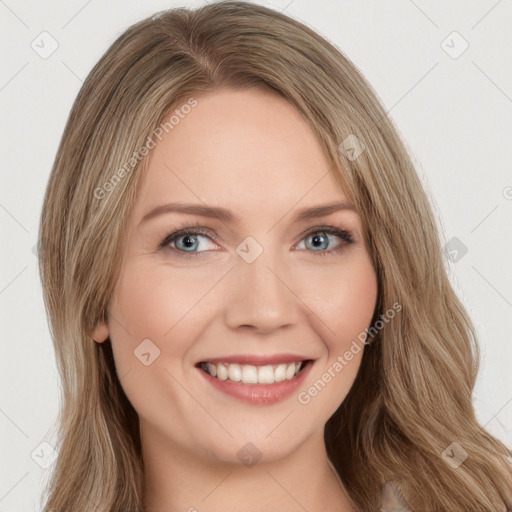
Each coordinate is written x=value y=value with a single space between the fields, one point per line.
x=187 y=241
x=321 y=239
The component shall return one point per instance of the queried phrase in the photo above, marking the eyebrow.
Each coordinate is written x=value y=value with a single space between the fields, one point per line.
x=225 y=215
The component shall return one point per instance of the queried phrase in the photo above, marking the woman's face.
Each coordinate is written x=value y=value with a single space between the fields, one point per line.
x=263 y=286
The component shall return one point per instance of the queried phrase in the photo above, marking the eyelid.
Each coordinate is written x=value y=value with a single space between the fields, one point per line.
x=190 y=227
x=330 y=229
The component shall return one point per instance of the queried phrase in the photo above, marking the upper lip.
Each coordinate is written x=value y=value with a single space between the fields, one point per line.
x=257 y=359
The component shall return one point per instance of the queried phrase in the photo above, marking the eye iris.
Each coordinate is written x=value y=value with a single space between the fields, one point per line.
x=319 y=238
x=189 y=238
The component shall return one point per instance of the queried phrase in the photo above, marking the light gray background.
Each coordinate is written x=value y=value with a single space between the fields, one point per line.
x=455 y=115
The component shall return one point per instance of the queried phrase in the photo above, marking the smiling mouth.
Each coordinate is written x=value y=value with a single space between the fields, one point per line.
x=251 y=374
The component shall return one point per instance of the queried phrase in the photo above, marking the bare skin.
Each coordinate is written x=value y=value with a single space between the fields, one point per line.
x=251 y=152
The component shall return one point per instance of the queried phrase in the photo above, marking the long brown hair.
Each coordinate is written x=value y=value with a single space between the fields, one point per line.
x=412 y=397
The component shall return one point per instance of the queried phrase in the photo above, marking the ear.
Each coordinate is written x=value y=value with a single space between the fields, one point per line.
x=101 y=332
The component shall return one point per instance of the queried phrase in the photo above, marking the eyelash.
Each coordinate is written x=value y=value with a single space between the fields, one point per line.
x=197 y=229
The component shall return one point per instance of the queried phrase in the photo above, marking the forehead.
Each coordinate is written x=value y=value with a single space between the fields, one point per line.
x=247 y=150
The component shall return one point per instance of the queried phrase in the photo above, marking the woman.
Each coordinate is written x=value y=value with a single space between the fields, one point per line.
x=246 y=288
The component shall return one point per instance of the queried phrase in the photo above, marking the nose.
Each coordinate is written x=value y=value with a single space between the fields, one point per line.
x=262 y=296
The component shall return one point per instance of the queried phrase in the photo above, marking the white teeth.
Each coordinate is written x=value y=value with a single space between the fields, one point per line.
x=250 y=374
x=212 y=369
x=222 y=372
x=266 y=375
x=234 y=373
x=290 y=371
x=280 y=373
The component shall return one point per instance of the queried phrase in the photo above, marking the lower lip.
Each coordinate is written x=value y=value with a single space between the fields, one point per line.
x=259 y=394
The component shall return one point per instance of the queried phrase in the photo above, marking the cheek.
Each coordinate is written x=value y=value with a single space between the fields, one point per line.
x=164 y=306
x=160 y=304
x=144 y=304
x=343 y=302
x=341 y=306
